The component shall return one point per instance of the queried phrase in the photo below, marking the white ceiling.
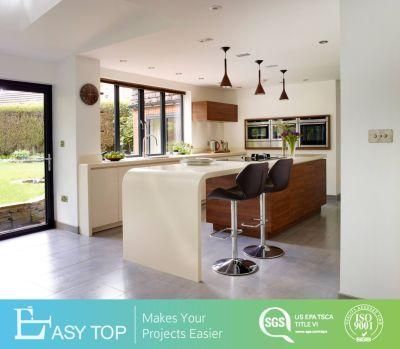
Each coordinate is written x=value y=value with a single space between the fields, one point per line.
x=164 y=34
x=283 y=32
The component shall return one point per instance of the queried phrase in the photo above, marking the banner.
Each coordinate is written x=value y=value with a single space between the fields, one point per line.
x=198 y=324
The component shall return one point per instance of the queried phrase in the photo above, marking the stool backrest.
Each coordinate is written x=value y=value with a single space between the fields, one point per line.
x=252 y=178
x=279 y=174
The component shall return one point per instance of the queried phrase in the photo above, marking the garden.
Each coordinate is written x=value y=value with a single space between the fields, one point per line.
x=21 y=153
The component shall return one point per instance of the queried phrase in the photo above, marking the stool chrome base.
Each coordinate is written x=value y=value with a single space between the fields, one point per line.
x=263 y=251
x=235 y=266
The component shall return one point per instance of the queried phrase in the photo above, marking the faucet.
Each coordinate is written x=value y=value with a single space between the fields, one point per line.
x=145 y=138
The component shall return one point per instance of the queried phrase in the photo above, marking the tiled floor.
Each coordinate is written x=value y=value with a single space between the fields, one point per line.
x=59 y=264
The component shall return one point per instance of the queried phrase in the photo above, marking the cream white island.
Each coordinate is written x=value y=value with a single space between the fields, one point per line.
x=162 y=214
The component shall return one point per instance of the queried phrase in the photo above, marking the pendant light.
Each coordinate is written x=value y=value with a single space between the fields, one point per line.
x=225 y=80
x=284 y=95
x=259 y=89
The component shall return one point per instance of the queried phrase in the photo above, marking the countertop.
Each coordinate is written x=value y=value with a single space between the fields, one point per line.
x=140 y=161
x=216 y=169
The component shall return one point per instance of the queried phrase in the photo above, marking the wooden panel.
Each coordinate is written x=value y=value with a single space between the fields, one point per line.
x=214 y=111
x=304 y=197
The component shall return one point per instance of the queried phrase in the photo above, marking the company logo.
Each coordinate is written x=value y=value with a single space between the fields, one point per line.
x=38 y=325
x=275 y=322
x=363 y=323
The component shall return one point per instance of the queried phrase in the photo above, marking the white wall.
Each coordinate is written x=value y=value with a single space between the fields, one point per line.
x=196 y=133
x=26 y=69
x=309 y=98
x=78 y=125
x=370 y=70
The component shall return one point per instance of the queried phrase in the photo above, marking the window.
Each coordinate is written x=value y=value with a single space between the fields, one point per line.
x=128 y=112
x=173 y=115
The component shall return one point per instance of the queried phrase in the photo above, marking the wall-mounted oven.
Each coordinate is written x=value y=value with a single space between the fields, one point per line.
x=258 y=133
x=314 y=133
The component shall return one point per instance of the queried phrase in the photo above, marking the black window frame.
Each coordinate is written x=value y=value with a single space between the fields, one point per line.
x=141 y=133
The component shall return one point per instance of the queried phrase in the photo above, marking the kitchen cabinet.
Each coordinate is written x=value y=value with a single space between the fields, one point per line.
x=214 y=111
x=105 y=196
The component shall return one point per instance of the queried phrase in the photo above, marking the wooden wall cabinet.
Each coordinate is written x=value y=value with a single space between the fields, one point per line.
x=214 y=111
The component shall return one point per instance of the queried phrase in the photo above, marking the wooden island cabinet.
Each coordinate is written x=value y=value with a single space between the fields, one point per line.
x=303 y=198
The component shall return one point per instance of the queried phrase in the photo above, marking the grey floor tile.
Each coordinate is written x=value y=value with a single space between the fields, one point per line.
x=59 y=264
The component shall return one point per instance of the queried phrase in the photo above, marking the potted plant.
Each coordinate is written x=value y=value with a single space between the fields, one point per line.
x=182 y=148
x=114 y=156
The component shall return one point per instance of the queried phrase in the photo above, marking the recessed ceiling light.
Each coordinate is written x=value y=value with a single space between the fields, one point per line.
x=151 y=68
x=215 y=7
x=123 y=60
x=323 y=42
x=206 y=40
x=201 y=78
x=178 y=73
x=271 y=66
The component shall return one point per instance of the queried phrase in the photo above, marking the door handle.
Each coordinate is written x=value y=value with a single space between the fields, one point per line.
x=49 y=159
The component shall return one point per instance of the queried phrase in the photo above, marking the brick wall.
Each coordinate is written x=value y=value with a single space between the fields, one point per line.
x=19 y=215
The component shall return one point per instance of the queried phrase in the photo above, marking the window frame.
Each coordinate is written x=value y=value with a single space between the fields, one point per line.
x=141 y=133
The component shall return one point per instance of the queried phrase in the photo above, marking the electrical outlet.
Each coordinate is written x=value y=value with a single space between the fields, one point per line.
x=380 y=136
x=62 y=144
x=64 y=198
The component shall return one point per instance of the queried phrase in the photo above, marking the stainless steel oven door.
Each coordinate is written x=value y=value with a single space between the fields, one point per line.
x=314 y=133
x=258 y=131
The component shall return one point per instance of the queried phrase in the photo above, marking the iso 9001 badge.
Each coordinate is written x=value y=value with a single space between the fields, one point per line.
x=363 y=323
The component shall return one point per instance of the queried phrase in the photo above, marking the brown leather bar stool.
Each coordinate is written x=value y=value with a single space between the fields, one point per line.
x=250 y=183
x=278 y=180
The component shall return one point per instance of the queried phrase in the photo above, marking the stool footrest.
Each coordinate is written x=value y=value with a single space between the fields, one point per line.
x=250 y=225
x=226 y=231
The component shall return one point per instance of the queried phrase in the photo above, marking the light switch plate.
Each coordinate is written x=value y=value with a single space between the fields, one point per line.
x=380 y=136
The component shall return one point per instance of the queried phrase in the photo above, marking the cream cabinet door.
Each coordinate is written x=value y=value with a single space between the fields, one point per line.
x=105 y=196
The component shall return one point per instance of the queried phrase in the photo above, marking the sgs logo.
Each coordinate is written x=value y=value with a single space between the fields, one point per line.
x=276 y=318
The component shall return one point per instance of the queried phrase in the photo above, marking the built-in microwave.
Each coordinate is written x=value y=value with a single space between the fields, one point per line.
x=258 y=133
x=314 y=133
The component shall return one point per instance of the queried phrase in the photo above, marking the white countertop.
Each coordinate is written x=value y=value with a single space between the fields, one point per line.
x=216 y=169
x=140 y=161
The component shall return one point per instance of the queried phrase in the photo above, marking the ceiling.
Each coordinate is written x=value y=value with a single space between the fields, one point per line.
x=165 y=35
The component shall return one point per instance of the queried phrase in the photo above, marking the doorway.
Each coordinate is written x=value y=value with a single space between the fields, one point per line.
x=26 y=158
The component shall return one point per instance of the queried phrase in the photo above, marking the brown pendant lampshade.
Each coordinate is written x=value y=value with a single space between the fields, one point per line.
x=259 y=89
x=284 y=95
x=225 y=80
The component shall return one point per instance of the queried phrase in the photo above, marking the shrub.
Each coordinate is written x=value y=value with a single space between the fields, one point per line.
x=21 y=127
x=20 y=155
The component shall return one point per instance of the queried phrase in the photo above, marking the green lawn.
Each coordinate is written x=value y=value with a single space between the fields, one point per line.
x=12 y=190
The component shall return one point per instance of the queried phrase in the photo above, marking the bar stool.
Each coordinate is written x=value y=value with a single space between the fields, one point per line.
x=278 y=180
x=250 y=183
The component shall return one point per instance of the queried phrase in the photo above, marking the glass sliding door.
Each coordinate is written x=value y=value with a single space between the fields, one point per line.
x=26 y=185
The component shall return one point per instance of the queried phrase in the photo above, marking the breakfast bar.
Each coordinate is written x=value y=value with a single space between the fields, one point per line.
x=162 y=214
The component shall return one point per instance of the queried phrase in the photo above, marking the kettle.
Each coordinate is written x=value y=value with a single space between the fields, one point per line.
x=214 y=145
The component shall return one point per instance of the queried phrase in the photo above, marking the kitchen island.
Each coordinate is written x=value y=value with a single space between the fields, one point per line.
x=162 y=214
x=303 y=198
